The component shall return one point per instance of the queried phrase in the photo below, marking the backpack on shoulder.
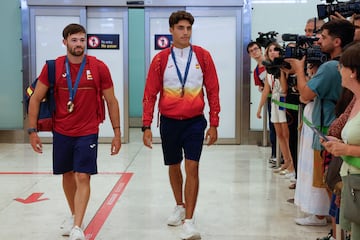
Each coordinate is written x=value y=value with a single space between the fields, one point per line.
x=47 y=105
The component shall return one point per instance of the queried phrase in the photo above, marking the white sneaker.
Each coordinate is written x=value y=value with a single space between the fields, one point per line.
x=177 y=216
x=293 y=179
x=277 y=170
x=311 y=220
x=67 y=226
x=77 y=234
x=189 y=230
x=290 y=175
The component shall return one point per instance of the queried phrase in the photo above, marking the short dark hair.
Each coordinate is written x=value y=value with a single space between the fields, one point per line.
x=340 y=28
x=72 y=29
x=252 y=43
x=175 y=17
x=350 y=58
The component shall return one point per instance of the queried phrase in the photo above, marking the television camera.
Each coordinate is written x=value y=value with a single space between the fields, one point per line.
x=346 y=9
x=303 y=46
x=265 y=39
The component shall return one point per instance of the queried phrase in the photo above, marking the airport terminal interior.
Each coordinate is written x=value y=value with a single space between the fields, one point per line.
x=240 y=197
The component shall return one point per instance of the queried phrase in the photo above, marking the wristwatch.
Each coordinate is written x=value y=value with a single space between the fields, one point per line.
x=143 y=128
x=31 y=130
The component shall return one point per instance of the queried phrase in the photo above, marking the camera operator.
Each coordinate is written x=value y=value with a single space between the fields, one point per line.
x=255 y=51
x=324 y=89
x=312 y=26
x=292 y=99
x=303 y=46
x=277 y=85
x=306 y=197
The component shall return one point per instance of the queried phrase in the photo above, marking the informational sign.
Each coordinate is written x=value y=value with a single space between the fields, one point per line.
x=162 y=41
x=103 y=41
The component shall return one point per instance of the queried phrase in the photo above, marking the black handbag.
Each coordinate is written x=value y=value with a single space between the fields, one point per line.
x=332 y=173
x=351 y=198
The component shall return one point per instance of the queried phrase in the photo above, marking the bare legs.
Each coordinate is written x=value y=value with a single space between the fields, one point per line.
x=77 y=192
x=282 y=133
x=191 y=185
x=69 y=187
x=176 y=182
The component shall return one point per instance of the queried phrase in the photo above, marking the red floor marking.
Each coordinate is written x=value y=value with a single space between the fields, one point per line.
x=34 y=197
x=104 y=211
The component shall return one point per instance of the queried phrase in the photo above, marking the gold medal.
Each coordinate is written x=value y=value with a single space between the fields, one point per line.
x=182 y=92
x=70 y=106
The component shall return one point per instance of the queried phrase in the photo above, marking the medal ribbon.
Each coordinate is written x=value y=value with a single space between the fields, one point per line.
x=181 y=79
x=72 y=91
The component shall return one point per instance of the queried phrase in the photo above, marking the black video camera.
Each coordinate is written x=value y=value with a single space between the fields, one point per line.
x=273 y=67
x=304 y=47
x=346 y=9
x=265 y=39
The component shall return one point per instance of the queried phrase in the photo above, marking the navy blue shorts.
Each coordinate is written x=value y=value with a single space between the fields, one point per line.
x=182 y=135
x=78 y=154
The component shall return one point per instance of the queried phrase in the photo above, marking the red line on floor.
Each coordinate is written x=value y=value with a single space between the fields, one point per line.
x=104 y=211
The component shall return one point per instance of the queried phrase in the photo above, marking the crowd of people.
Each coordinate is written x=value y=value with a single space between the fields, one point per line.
x=327 y=91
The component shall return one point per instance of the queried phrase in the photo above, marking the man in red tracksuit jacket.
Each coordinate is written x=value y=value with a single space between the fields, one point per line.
x=179 y=74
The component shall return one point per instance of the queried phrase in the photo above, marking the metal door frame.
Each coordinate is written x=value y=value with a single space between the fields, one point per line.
x=243 y=133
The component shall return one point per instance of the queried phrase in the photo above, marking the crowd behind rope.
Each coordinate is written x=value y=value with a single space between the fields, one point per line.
x=324 y=173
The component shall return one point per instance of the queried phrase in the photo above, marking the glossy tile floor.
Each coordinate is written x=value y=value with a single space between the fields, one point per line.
x=239 y=197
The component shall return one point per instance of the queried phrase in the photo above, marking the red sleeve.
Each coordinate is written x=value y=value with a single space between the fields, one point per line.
x=105 y=76
x=257 y=80
x=153 y=86
x=211 y=83
x=43 y=77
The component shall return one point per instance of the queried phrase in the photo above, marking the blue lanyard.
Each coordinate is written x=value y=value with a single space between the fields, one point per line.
x=181 y=79
x=72 y=91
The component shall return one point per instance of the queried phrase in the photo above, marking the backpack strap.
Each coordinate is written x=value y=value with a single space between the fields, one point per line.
x=51 y=77
x=93 y=65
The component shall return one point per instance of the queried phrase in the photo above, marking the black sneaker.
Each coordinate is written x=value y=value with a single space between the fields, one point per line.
x=272 y=160
x=328 y=237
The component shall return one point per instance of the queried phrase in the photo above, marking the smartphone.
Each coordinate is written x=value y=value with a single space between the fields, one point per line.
x=319 y=133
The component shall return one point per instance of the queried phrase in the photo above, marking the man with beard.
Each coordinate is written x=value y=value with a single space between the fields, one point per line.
x=81 y=84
